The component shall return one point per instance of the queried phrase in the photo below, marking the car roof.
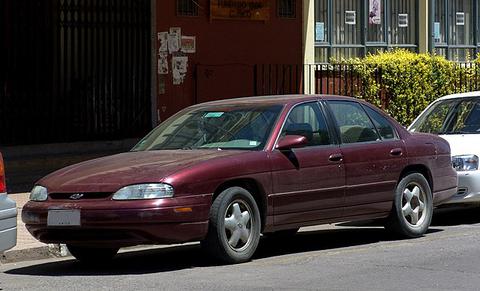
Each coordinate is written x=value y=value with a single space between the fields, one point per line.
x=461 y=95
x=273 y=100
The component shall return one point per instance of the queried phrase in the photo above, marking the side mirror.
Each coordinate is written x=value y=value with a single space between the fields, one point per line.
x=291 y=141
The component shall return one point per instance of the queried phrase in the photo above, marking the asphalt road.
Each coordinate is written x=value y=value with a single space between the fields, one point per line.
x=343 y=257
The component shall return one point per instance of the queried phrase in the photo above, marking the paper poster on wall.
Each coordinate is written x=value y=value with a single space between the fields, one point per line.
x=176 y=30
x=319 y=31
x=173 y=42
x=374 y=15
x=163 y=39
x=436 y=31
x=350 y=17
x=179 y=69
x=403 y=20
x=163 y=63
x=188 y=44
x=460 y=18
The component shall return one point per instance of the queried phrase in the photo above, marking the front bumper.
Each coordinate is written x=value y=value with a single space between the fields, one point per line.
x=468 y=188
x=122 y=223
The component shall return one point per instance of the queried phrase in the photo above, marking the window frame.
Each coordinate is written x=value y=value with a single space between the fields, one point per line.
x=395 y=132
x=447 y=46
x=279 y=15
x=364 y=46
x=337 y=127
x=328 y=122
x=178 y=13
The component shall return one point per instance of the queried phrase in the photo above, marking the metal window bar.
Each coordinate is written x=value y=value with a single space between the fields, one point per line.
x=187 y=8
x=286 y=8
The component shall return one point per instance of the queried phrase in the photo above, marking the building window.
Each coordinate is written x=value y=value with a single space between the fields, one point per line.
x=187 y=8
x=403 y=22
x=286 y=8
x=453 y=29
x=353 y=28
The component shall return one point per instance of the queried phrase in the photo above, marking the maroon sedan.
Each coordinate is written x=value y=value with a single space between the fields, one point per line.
x=226 y=172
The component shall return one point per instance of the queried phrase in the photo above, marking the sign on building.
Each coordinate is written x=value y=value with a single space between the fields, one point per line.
x=240 y=9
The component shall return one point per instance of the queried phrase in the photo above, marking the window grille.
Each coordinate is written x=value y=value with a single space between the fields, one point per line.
x=187 y=8
x=286 y=8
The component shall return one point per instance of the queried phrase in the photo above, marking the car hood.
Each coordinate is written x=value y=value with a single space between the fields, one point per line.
x=461 y=144
x=108 y=174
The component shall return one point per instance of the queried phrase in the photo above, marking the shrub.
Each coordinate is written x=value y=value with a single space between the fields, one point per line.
x=404 y=83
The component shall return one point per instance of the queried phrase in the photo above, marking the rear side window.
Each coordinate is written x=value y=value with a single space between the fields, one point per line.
x=353 y=123
x=307 y=120
x=385 y=129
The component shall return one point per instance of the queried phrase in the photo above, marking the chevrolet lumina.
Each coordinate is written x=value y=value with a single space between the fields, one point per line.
x=225 y=172
x=456 y=118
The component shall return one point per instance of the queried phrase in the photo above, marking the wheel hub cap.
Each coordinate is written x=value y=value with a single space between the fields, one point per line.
x=413 y=204
x=238 y=225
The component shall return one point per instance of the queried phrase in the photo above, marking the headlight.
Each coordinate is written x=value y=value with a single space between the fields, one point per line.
x=465 y=162
x=39 y=193
x=144 y=191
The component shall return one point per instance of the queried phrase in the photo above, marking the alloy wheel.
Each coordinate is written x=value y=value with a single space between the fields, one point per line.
x=238 y=225
x=413 y=204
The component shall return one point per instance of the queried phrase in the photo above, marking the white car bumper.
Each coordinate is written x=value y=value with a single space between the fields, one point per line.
x=8 y=223
x=468 y=188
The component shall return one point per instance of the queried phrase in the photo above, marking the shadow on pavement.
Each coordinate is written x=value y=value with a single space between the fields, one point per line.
x=191 y=256
x=456 y=215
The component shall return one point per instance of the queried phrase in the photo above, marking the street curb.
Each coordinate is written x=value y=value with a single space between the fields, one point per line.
x=35 y=253
x=61 y=251
x=31 y=254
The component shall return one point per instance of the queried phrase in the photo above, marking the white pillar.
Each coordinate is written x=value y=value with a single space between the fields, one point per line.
x=308 y=45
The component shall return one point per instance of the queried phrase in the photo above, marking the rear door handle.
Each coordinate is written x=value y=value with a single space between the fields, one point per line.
x=335 y=158
x=396 y=152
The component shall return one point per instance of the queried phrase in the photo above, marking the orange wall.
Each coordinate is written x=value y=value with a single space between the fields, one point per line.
x=226 y=51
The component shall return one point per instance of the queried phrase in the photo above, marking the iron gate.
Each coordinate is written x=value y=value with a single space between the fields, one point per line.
x=74 y=70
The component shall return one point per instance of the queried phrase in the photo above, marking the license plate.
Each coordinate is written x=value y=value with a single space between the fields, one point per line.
x=63 y=217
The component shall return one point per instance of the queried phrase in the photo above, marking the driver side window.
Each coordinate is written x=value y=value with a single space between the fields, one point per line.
x=307 y=120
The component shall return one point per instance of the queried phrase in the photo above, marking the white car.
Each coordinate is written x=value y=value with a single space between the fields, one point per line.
x=456 y=118
x=8 y=214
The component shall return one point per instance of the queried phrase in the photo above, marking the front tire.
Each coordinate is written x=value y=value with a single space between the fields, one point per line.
x=90 y=255
x=234 y=226
x=412 y=208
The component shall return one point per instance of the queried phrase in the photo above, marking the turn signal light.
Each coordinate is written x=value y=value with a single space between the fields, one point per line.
x=3 y=186
x=183 y=209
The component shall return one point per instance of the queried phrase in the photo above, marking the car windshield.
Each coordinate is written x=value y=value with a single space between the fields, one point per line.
x=220 y=127
x=454 y=116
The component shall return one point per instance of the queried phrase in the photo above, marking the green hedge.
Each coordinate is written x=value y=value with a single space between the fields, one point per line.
x=404 y=83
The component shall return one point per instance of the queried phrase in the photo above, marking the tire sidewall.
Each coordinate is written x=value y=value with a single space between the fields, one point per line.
x=404 y=227
x=227 y=197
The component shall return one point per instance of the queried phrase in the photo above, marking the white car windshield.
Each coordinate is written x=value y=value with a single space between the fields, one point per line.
x=217 y=127
x=451 y=116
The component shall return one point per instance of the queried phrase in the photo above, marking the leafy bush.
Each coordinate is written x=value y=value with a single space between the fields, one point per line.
x=404 y=83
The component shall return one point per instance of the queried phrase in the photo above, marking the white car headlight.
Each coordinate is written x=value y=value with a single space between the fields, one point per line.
x=39 y=193
x=465 y=162
x=144 y=191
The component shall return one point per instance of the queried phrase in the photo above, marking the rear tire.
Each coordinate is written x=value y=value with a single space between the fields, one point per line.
x=90 y=255
x=234 y=226
x=412 y=209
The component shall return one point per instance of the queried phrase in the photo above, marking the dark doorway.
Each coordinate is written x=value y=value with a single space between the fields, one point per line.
x=74 y=70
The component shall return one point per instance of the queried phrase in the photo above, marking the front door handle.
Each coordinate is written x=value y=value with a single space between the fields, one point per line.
x=396 y=152
x=335 y=158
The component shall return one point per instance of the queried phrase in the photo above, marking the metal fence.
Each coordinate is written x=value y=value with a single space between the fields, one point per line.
x=342 y=79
